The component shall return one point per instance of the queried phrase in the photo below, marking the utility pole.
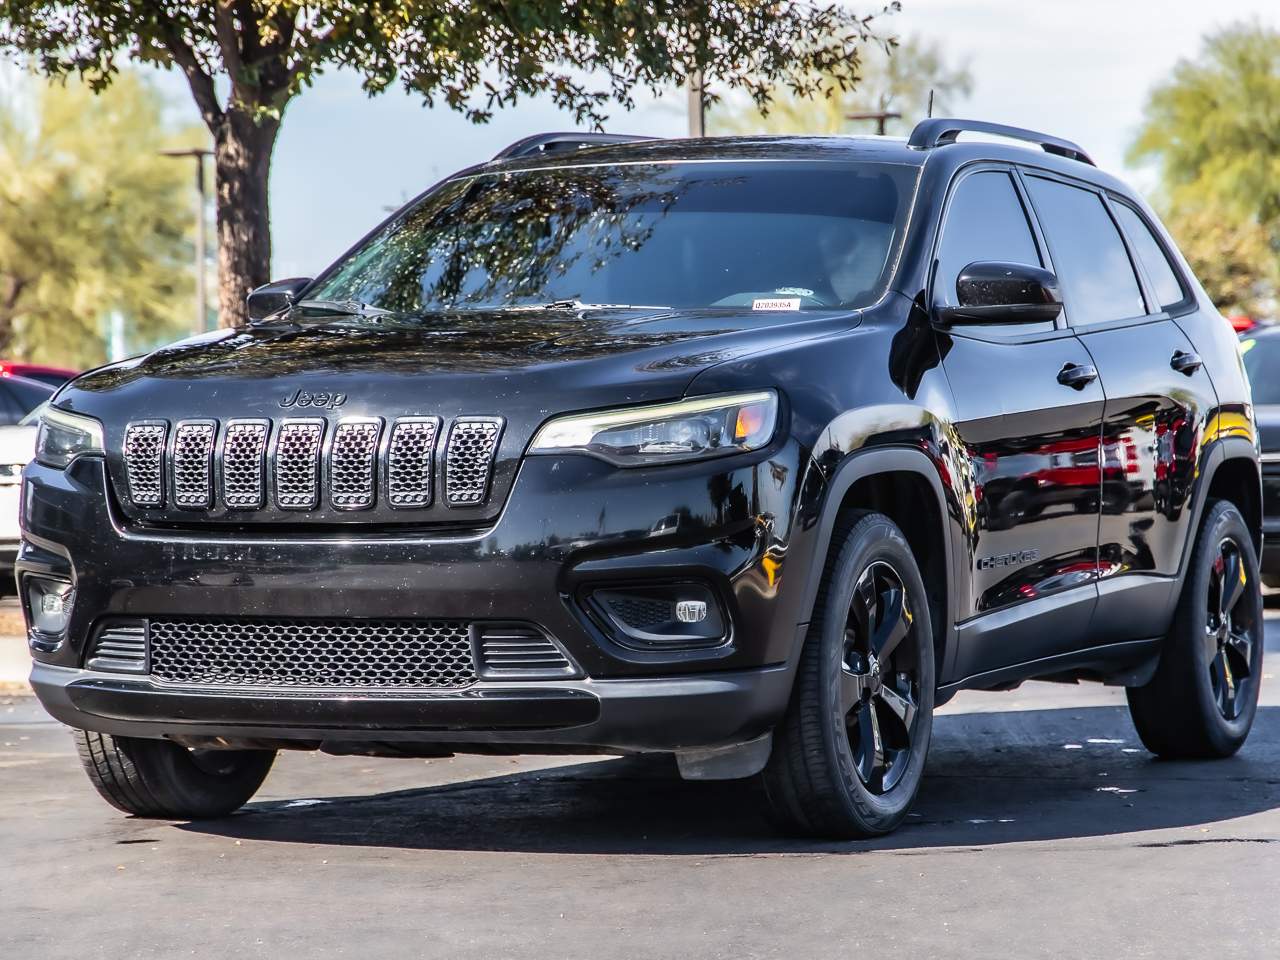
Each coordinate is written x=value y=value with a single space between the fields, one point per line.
x=881 y=117
x=697 y=106
x=202 y=293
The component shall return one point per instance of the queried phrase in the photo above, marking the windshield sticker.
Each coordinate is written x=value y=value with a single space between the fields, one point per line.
x=794 y=292
x=775 y=303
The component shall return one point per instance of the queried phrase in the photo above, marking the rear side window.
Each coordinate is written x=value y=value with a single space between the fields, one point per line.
x=1154 y=260
x=984 y=222
x=1090 y=258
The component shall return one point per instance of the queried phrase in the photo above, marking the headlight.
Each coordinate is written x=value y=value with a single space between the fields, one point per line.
x=667 y=432
x=64 y=436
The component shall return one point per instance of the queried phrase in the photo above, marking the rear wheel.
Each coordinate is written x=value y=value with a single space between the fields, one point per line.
x=1203 y=697
x=849 y=755
x=159 y=778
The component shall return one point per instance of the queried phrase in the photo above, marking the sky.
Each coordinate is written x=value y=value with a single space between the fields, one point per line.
x=1080 y=70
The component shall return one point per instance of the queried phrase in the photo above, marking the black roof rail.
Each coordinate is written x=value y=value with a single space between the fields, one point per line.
x=562 y=143
x=939 y=131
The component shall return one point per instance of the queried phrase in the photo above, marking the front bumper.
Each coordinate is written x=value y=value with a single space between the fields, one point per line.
x=569 y=524
x=657 y=714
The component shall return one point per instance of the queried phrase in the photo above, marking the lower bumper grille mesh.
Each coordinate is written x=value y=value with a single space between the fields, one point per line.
x=313 y=653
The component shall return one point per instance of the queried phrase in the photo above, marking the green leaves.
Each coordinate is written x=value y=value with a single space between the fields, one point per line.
x=1214 y=133
x=92 y=220
x=473 y=56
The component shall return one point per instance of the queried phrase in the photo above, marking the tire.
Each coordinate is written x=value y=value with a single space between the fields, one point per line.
x=1202 y=700
x=849 y=754
x=159 y=778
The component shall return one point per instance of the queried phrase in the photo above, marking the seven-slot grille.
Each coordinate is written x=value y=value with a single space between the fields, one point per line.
x=307 y=463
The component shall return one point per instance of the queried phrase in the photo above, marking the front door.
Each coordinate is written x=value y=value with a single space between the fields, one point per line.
x=1028 y=411
x=1120 y=290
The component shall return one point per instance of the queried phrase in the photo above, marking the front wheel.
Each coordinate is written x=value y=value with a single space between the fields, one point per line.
x=1203 y=697
x=849 y=754
x=159 y=778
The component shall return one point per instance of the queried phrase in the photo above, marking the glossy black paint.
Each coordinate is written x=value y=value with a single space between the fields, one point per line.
x=1041 y=507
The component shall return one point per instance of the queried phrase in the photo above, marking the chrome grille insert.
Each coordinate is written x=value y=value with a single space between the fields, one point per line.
x=353 y=464
x=469 y=459
x=144 y=461
x=193 y=464
x=297 y=464
x=303 y=464
x=334 y=653
x=244 y=449
x=411 y=452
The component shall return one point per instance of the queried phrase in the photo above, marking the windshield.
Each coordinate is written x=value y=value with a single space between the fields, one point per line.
x=1262 y=363
x=769 y=235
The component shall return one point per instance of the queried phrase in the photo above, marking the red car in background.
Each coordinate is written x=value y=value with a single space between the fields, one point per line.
x=53 y=376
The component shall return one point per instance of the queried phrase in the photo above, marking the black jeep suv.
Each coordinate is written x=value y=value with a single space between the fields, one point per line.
x=750 y=451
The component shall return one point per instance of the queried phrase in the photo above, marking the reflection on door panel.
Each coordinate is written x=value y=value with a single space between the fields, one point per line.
x=1032 y=449
x=1151 y=436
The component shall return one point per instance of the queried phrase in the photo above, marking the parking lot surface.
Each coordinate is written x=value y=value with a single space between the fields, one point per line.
x=1043 y=830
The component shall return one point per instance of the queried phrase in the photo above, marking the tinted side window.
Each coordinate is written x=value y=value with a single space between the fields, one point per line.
x=1090 y=258
x=985 y=221
x=1154 y=260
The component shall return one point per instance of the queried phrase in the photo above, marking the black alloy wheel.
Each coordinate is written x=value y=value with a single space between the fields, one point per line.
x=1229 y=629
x=879 y=682
x=849 y=754
x=1202 y=699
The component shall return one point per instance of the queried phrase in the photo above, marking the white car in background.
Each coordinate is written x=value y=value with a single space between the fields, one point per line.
x=21 y=402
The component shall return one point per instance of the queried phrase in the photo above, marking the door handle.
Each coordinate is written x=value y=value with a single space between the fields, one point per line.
x=1077 y=376
x=1187 y=363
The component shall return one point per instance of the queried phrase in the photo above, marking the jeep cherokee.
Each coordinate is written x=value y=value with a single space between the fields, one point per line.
x=752 y=451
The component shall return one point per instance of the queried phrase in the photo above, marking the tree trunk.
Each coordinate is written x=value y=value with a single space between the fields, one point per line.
x=242 y=162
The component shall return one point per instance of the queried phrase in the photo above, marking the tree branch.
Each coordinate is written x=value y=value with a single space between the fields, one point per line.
x=198 y=79
x=225 y=30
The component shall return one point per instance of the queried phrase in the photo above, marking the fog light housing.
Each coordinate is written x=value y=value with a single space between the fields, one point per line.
x=49 y=604
x=664 y=616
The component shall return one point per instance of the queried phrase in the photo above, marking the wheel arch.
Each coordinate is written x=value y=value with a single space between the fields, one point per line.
x=1230 y=471
x=897 y=482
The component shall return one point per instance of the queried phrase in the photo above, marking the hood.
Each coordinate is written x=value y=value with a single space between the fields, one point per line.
x=520 y=366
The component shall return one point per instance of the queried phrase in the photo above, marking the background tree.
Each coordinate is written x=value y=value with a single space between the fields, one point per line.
x=1212 y=130
x=244 y=60
x=893 y=77
x=92 y=219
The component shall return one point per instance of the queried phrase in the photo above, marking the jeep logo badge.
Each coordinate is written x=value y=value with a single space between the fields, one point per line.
x=301 y=398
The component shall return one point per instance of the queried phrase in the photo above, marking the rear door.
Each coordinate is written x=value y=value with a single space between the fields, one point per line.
x=1121 y=291
x=1031 y=441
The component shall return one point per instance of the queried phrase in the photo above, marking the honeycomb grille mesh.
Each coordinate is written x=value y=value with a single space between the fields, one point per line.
x=243 y=456
x=144 y=462
x=410 y=455
x=337 y=653
x=297 y=464
x=469 y=459
x=353 y=464
x=193 y=464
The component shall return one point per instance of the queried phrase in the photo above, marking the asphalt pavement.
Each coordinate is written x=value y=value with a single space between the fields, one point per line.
x=1043 y=830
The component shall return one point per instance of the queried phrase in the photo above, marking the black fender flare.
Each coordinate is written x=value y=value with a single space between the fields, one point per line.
x=892 y=459
x=1216 y=454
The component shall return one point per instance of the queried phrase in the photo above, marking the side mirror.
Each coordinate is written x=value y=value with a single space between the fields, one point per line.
x=275 y=296
x=994 y=292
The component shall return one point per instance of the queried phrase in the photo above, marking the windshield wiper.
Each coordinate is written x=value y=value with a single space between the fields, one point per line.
x=572 y=303
x=343 y=308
